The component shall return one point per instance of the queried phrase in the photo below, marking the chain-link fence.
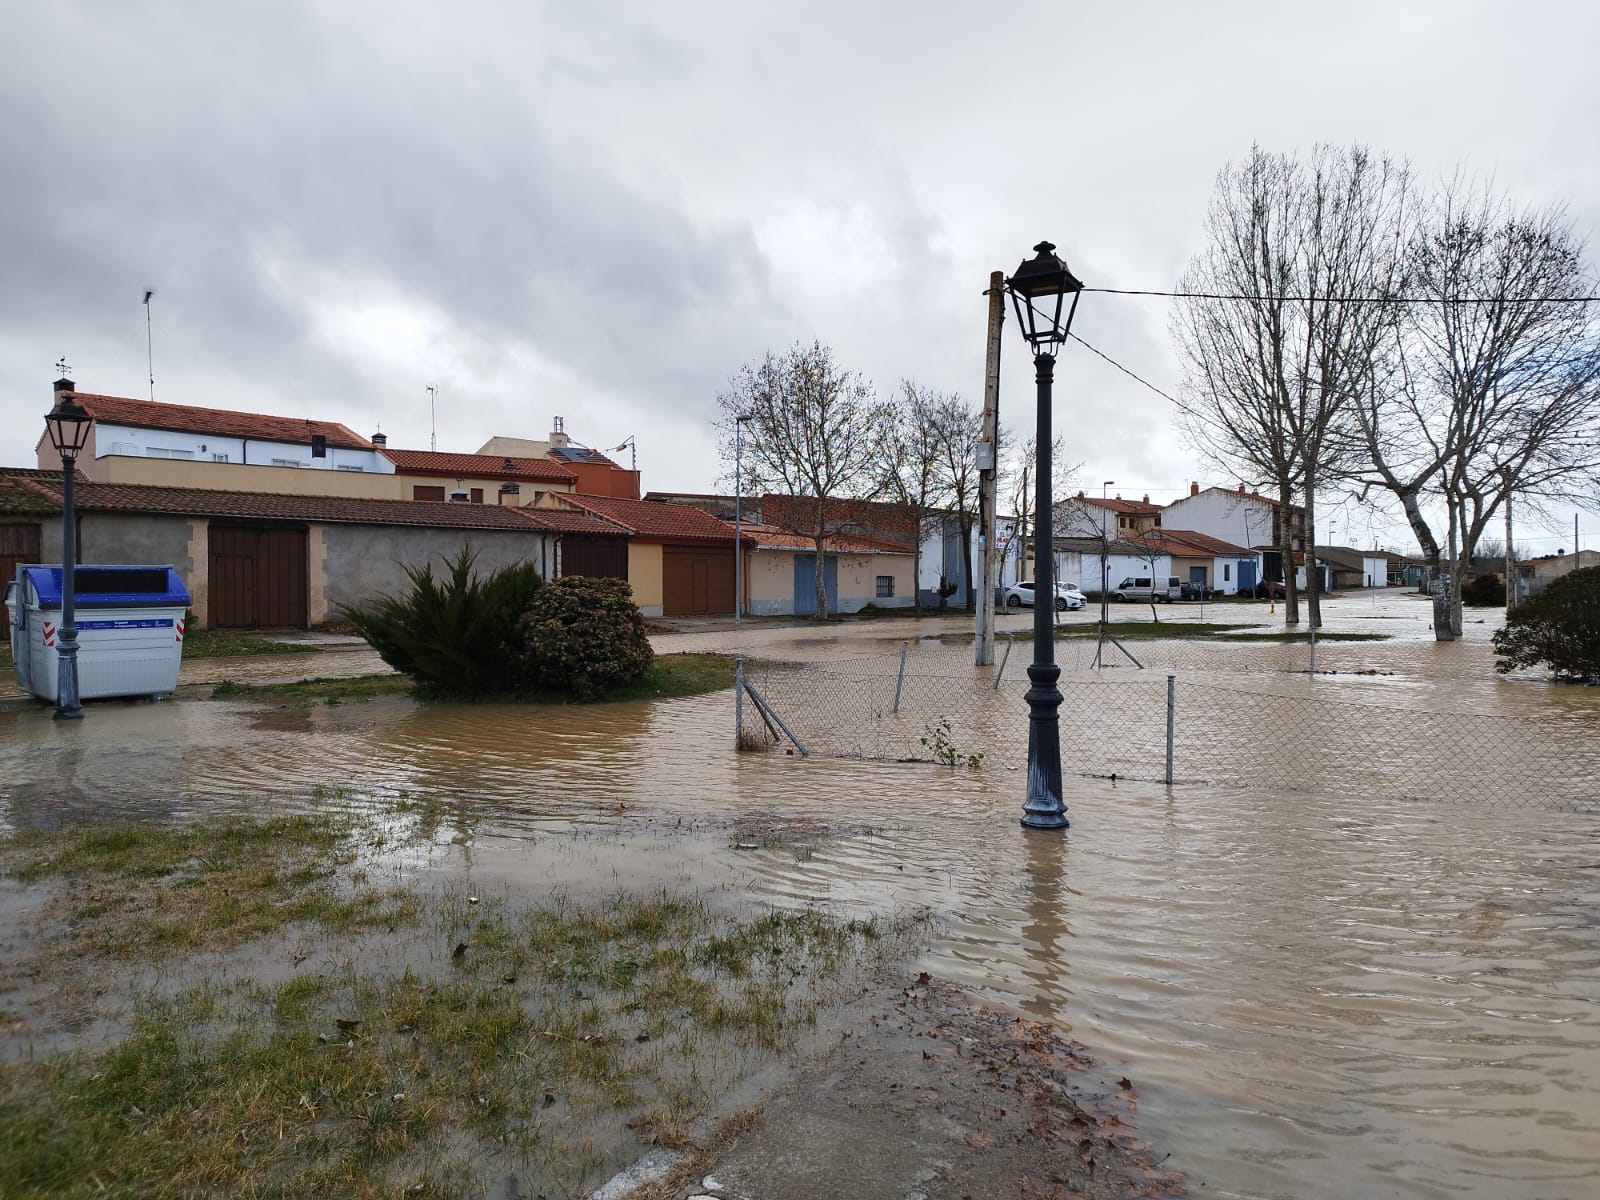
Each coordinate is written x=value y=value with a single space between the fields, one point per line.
x=1264 y=722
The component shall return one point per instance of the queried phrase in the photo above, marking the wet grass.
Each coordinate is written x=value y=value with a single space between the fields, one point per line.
x=140 y=891
x=357 y=689
x=496 y=1037
x=222 y=643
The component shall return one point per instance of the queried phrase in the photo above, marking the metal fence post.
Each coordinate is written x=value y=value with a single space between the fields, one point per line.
x=1004 y=659
x=738 y=701
x=1171 y=687
x=1313 y=669
x=900 y=678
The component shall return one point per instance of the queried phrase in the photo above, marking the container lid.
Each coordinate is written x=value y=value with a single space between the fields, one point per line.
x=101 y=586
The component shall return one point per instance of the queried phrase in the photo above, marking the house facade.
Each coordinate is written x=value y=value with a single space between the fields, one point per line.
x=858 y=572
x=680 y=559
x=1536 y=574
x=1240 y=518
x=475 y=478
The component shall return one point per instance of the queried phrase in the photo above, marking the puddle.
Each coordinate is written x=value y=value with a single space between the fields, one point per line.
x=1317 y=993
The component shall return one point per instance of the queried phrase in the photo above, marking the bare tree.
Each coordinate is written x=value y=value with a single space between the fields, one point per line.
x=1283 y=327
x=815 y=433
x=1492 y=386
x=956 y=432
x=910 y=463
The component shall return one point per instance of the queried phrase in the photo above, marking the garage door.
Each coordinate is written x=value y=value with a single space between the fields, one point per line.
x=257 y=578
x=696 y=580
x=19 y=543
x=597 y=557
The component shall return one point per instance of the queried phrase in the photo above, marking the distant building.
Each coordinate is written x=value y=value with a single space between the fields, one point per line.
x=1536 y=574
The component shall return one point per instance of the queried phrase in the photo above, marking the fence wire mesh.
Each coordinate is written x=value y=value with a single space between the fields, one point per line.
x=1261 y=722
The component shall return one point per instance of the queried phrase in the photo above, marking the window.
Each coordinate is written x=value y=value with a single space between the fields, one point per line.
x=1226 y=567
x=419 y=492
x=349 y=467
x=159 y=452
x=885 y=586
x=287 y=462
x=477 y=495
x=219 y=457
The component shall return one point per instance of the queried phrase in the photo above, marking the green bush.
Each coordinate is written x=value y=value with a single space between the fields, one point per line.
x=584 y=637
x=1485 y=591
x=456 y=635
x=1559 y=627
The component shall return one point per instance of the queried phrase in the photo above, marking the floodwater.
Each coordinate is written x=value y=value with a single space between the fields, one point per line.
x=1317 y=994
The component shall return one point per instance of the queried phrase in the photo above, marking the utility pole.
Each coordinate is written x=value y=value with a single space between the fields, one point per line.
x=989 y=473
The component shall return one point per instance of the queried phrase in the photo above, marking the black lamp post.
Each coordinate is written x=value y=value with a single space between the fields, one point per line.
x=1038 y=292
x=69 y=424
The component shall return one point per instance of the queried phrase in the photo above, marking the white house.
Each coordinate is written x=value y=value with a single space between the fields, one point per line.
x=1240 y=518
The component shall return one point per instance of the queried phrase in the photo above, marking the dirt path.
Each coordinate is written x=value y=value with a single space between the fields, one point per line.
x=930 y=1096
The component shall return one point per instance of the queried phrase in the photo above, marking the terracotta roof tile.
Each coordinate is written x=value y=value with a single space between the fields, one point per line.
x=1186 y=543
x=184 y=418
x=769 y=537
x=478 y=466
x=655 y=521
x=141 y=498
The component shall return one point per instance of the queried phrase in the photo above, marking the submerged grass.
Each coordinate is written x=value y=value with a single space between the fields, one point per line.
x=223 y=643
x=535 y=1040
x=141 y=890
x=358 y=689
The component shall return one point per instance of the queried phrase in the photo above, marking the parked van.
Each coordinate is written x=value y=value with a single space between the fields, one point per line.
x=1143 y=587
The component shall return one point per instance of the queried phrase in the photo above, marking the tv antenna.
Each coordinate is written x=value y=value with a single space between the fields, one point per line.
x=149 y=354
x=631 y=444
x=433 y=424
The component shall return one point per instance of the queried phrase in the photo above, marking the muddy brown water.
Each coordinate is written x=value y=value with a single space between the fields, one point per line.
x=1316 y=994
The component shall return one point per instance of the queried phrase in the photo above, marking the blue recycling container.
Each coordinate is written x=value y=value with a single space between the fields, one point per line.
x=130 y=629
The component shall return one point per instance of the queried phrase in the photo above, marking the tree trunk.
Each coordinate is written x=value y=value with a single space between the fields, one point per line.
x=965 y=525
x=916 y=565
x=1313 y=575
x=821 y=578
x=1291 y=593
x=1511 y=563
x=1430 y=572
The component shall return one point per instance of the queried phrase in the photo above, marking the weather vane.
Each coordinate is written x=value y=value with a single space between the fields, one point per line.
x=61 y=366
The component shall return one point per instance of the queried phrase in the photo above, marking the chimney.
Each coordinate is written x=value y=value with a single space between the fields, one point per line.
x=458 y=496
x=558 y=435
x=64 y=385
x=1194 y=487
x=1241 y=487
x=509 y=489
x=1146 y=498
x=379 y=441
x=508 y=465
x=1080 y=493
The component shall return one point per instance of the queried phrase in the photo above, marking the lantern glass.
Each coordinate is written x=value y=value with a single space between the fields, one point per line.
x=1038 y=293
x=69 y=424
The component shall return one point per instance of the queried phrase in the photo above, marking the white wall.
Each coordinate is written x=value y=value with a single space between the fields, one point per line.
x=1221 y=514
x=205 y=447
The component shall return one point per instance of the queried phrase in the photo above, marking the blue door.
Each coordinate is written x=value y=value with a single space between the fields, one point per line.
x=805 y=584
x=1247 y=574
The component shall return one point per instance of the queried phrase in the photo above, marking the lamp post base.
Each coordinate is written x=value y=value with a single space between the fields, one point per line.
x=68 y=707
x=1043 y=808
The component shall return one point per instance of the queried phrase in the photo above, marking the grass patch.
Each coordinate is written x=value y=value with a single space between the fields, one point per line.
x=222 y=643
x=6 y=661
x=547 y=1041
x=155 y=891
x=358 y=689
x=673 y=675
x=1284 y=635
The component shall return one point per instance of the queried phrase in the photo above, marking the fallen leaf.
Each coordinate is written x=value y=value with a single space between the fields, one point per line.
x=461 y=948
x=1125 y=1084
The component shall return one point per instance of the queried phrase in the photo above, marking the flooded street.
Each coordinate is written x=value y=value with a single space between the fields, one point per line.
x=1319 y=992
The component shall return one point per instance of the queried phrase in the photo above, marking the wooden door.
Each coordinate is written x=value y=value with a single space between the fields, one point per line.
x=257 y=578
x=19 y=543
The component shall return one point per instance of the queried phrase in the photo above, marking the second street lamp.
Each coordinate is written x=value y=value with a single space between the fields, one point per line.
x=1038 y=292
x=68 y=423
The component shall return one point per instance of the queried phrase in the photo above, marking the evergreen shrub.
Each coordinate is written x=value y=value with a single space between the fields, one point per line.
x=1559 y=627
x=1484 y=591
x=584 y=637
x=454 y=635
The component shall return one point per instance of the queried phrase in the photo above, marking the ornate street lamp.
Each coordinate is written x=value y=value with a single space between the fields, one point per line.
x=1038 y=292
x=69 y=424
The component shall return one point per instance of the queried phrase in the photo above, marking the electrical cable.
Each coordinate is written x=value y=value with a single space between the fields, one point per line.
x=1349 y=299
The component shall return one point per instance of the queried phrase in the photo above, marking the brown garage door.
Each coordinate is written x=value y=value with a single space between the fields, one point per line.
x=19 y=543
x=696 y=580
x=597 y=557
x=258 y=578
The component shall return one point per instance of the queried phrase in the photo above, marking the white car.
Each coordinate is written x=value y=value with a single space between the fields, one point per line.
x=1068 y=596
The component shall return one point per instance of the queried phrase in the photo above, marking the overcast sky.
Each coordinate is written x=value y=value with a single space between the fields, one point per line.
x=599 y=211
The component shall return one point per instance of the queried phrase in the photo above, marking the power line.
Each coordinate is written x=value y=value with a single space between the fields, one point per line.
x=1349 y=299
x=1124 y=370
